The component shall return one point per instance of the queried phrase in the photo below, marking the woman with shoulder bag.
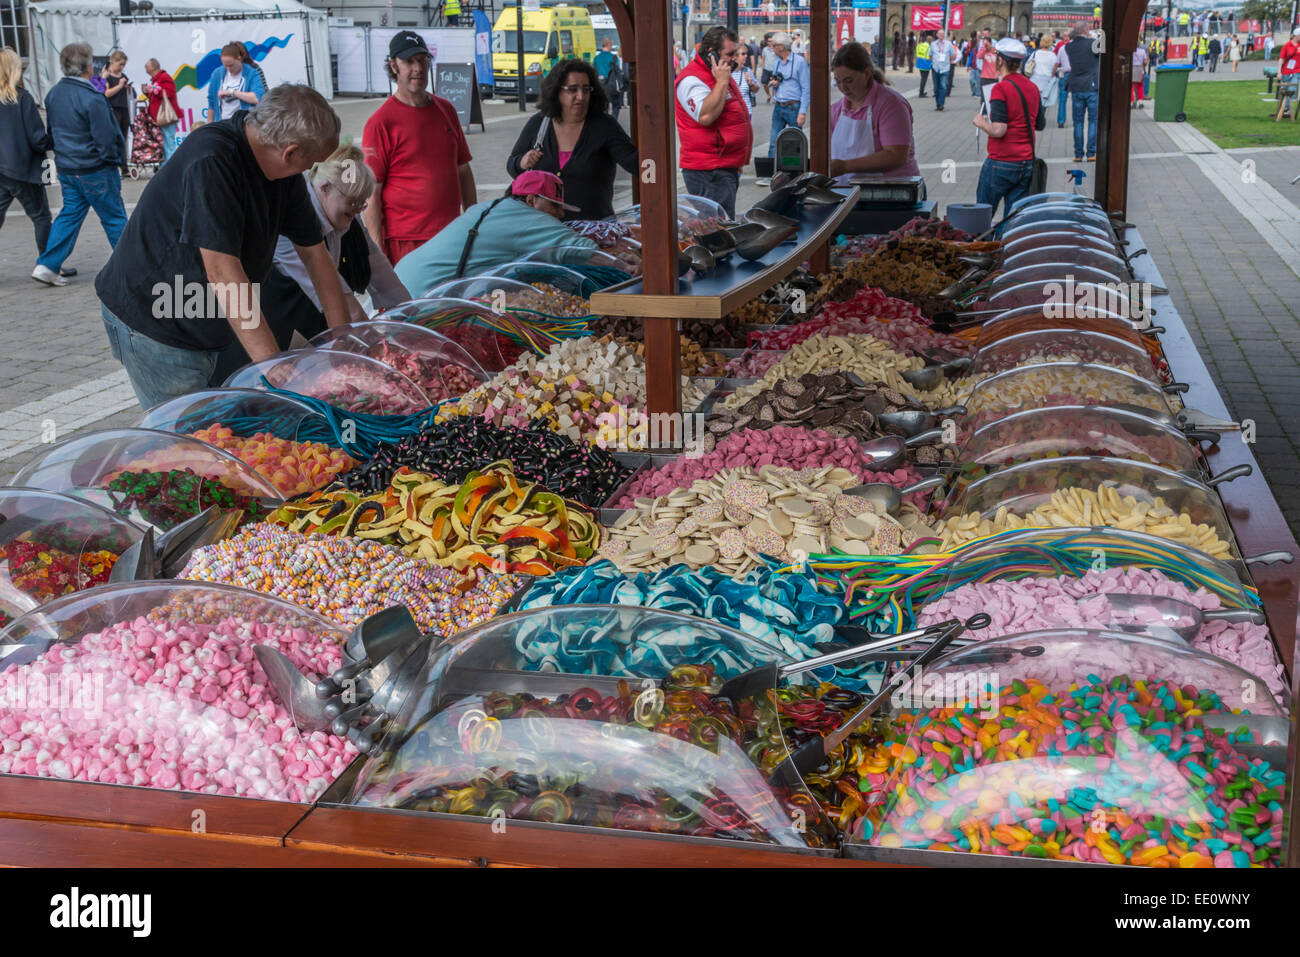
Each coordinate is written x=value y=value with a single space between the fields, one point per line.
x=164 y=108
x=573 y=136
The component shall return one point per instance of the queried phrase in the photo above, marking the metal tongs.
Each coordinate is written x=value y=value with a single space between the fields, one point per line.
x=815 y=753
x=757 y=680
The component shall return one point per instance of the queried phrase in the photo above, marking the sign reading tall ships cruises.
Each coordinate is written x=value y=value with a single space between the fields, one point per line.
x=931 y=18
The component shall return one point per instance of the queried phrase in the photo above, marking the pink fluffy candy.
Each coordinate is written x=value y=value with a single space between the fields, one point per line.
x=782 y=445
x=1036 y=603
x=175 y=705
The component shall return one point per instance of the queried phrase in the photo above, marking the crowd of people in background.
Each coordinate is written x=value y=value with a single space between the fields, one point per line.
x=264 y=190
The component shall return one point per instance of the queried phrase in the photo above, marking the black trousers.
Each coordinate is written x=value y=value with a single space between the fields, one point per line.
x=34 y=202
x=123 y=117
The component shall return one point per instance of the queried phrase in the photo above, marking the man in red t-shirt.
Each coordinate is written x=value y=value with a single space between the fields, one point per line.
x=988 y=62
x=1014 y=105
x=1289 y=55
x=416 y=148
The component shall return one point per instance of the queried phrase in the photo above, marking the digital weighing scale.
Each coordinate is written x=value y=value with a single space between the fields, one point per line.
x=885 y=203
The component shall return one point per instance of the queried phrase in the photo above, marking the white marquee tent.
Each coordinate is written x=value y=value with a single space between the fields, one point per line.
x=56 y=23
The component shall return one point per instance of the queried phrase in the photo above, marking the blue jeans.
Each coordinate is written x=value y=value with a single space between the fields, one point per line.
x=974 y=77
x=169 y=140
x=783 y=115
x=1061 y=97
x=941 y=87
x=158 y=372
x=1085 y=103
x=719 y=185
x=82 y=192
x=1001 y=180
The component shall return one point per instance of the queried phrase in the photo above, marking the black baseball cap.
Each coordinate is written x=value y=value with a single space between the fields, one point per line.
x=405 y=45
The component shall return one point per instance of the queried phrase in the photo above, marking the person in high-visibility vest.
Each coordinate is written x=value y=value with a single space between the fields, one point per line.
x=1202 y=52
x=1096 y=16
x=923 y=61
x=1183 y=20
x=451 y=12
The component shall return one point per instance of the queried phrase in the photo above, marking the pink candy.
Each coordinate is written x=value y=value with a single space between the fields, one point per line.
x=1037 y=603
x=149 y=704
x=782 y=445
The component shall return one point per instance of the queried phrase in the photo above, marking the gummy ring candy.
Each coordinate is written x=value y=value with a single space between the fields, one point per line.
x=470 y=720
x=485 y=736
x=551 y=807
x=584 y=703
x=538 y=728
x=707 y=732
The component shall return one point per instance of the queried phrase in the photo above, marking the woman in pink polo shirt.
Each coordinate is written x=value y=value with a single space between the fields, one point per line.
x=871 y=127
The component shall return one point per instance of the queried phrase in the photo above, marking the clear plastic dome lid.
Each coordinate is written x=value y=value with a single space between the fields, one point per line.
x=500 y=294
x=1059 y=212
x=354 y=383
x=1083 y=746
x=441 y=367
x=1062 y=345
x=52 y=544
x=1073 y=430
x=1131 y=560
x=1054 y=221
x=157 y=684
x=1071 y=492
x=1075 y=254
x=285 y=441
x=485 y=735
x=1067 y=236
x=151 y=478
x=561 y=277
x=1049 y=271
x=696 y=215
x=1061 y=383
x=579 y=256
x=471 y=325
x=1052 y=199
x=1064 y=298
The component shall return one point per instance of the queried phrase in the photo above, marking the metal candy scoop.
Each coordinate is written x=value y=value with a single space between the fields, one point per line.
x=1180 y=617
x=768 y=218
x=701 y=259
x=913 y=422
x=931 y=376
x=765 y=242
x=293 y=690
x=371 y=643
x=889 y=498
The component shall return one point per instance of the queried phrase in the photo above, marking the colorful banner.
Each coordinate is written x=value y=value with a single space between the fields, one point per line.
x=190 y=51
x=931 y=18
x=843 y=29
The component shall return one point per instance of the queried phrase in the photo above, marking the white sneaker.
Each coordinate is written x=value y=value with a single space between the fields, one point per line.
x=48 y=276
x=762 y=181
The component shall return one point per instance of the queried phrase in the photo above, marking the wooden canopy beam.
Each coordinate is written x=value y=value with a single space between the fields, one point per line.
x=1121 y=21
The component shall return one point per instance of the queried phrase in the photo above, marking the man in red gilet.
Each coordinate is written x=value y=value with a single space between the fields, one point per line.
x=713 y=125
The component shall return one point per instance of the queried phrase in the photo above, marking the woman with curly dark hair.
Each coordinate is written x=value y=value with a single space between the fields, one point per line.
x=573 y=136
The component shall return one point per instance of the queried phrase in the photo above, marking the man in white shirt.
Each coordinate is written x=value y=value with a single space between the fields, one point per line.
x=943 y=58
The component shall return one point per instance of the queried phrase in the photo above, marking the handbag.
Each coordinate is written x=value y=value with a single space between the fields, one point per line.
x=167 y=113
x=1053 y=91
x=1038 y=180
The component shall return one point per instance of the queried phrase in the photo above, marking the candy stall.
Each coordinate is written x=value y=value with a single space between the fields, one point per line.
x=909 y=586
x=733 y=541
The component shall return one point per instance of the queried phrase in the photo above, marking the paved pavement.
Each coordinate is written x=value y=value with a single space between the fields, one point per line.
x=1227 y=243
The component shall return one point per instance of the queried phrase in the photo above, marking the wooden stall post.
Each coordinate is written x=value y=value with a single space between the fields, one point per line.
x=819 y=105
x=1120 y=22
x=656 y=129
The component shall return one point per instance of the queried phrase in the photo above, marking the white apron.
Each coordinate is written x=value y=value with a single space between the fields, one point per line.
x=852 y=139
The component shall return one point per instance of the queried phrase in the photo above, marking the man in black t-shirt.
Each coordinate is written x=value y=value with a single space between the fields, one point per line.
x=182 y=282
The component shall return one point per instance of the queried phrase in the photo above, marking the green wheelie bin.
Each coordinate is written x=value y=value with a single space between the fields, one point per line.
x=1171 y=92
